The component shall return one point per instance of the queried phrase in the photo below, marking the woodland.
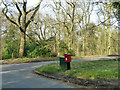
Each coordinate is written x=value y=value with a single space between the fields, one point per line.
x=82 y=28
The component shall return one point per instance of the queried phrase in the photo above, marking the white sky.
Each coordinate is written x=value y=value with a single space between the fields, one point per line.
x=94 y=17
x=46 y=10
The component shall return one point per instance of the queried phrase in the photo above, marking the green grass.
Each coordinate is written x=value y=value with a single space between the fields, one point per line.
x=22 y=60
x=75 y=57
x=51 y=68
x=39 y=59
x=86 y=69
x=11 y=59
x=25 y=60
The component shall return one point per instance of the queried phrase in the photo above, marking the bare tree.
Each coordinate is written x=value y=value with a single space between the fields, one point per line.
x=22 y=22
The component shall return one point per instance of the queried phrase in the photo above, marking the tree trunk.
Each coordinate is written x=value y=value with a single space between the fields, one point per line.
x=118 y=37
x=22 y=18
x=22 y=45
x=58 y=37
x=0 y=39
x=78 y=45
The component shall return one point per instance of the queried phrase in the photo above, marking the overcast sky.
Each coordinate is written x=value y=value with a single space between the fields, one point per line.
x=46 y=10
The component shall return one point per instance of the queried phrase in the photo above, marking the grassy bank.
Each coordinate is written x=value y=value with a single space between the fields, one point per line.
x=86 y=69
x=40 y=59
x=28 y=60
x=77 y=57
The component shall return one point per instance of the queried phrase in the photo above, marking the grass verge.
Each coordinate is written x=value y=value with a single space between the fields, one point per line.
x=28 y=60
x=40 y=59
x=86 y=69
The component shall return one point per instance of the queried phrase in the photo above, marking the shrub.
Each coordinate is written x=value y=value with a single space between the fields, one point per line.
x=6 y=55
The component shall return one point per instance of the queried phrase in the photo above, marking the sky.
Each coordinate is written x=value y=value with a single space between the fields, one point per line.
x=94 y=17
x=47 y=10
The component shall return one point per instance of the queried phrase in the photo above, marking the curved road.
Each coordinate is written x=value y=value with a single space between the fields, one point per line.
x=21 y=76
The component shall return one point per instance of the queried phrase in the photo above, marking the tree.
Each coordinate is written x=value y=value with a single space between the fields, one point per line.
x=108 y=11
x=0 y=37
x=116 y=5
x=21 y=22
x=85 y=9
x=11 y=40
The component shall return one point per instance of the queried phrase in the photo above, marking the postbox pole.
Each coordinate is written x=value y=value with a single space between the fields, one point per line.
x=68 y=65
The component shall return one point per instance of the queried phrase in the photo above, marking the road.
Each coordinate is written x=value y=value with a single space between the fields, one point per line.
x=21 y=76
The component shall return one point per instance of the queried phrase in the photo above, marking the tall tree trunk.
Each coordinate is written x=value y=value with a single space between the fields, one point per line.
x=58 y=37
x=58 y=43
x=0 y=39
x=83 y=42
x=72 y=26
x=22 y=45
x=118 y=19
x=78 y=45
x=109 y=35
x=119 y=36
x=105 y=38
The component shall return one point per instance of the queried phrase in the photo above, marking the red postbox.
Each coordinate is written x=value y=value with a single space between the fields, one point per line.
x=67 y=57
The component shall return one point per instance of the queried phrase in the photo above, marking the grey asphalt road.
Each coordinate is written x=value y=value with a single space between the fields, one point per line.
x=21 y=76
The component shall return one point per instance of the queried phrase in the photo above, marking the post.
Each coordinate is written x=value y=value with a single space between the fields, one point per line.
x=68 y=65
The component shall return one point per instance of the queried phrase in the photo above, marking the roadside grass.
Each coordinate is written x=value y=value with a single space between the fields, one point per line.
x=39 y=59
x=51 y=68
x=11 y=59
x=28 y=60
x=77 y=57
x=86 y=69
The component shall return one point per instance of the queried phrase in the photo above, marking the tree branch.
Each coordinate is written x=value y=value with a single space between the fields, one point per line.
x=69 y=4
x=3 y=32
x=33 y=15
x=66 y=11
x=24 y=6
x=38 y=36
x=20 y=13
x=37 y=42
x=34 y=8
x=45 y=31
x=5 y=13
